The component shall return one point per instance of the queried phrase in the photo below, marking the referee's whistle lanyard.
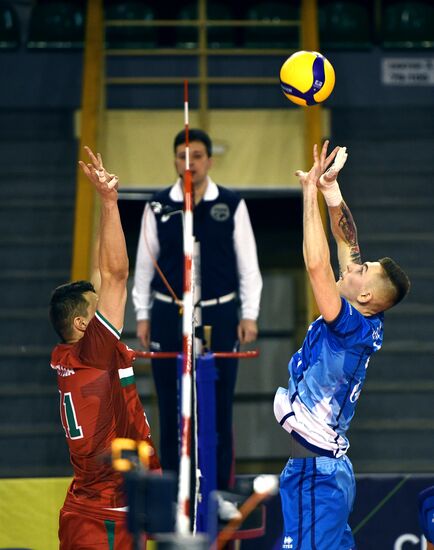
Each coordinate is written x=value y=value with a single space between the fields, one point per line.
x=166 y=283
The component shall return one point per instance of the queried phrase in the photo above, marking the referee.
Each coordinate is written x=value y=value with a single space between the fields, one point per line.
x=231 y=287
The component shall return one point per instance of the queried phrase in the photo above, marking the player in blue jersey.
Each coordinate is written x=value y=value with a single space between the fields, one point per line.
x=317 y=485
x=426 y=515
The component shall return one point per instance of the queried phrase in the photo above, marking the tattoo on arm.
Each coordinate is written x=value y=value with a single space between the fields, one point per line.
x=349 y=233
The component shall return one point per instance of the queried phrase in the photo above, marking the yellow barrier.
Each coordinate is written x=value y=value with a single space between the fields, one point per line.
x=29 y=512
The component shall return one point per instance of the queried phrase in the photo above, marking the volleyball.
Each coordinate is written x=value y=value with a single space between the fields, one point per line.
x=307 y=78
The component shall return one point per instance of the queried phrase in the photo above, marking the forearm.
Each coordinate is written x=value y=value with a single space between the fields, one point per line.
x=315 y=246
x=341 y=220
x=345 y=234
x=113 y=258
x=95 y=275
x=316 y=250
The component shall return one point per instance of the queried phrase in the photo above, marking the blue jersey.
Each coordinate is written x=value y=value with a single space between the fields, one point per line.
x=326 y=377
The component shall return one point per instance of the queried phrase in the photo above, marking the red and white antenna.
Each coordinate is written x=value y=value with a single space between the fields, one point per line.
x=183 y=515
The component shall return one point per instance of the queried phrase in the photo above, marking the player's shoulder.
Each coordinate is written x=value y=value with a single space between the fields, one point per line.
x=348 y=318
x=225 y=192
x=162 y=195
x=65 y=360
x=60 y=355
x=97 y=346
x=99 y=322
x=347 y=311
x=354 y=327
x=228 y=196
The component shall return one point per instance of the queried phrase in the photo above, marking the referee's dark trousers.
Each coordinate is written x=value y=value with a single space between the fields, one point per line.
x=166 y=335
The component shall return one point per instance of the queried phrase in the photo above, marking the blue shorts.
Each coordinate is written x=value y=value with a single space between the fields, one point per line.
x=317 y=498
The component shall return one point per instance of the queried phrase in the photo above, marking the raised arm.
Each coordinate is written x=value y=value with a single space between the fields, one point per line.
x=341 y=220
x=113 y=259
x=316 y=250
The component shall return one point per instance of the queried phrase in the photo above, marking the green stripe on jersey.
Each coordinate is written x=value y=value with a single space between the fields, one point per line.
x=126 y=376
x=110 y=528
x=108 y=325
x=127 y=381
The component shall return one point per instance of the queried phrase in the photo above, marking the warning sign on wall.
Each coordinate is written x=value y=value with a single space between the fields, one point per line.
x=407 y=71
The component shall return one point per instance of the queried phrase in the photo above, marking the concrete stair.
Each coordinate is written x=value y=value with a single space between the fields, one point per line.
x=388 y=185
x=38 y=156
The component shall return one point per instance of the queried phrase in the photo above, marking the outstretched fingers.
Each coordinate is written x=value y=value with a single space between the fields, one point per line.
x=112 y=181
x=320 y=162
x=324 y=152
x=315 y=154
x=331 y=157
x=95 y=160
x=339 y=161
x=101 y=172
x=87 y=169
x=96 y=172
x=97 y=166
x=326 y=160
x=341 y=158
x=300 y=174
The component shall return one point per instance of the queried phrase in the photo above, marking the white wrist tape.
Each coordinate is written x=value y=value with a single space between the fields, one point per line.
x=332 y=194
x=330 y=189
x=112 y=182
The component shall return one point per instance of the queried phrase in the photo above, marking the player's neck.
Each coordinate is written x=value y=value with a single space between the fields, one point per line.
x=199 y=191
x=75 y=337
x=365 y=310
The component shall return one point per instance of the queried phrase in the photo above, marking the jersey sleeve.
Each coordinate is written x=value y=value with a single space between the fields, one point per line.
x=247 y=263
x=98 y=343
x=350 y=328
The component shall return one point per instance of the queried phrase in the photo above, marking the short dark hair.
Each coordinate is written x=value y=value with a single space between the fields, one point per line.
x=398 y=279
x=194 y=134
x=68 y=301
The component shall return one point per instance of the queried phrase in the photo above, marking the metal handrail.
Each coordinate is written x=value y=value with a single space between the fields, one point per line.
x=203 y=22
x=161 y=80
x=131 y=52
x=251 y=354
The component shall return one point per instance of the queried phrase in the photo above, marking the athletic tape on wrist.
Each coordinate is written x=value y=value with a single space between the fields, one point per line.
x=332 y=194
x=112 y=182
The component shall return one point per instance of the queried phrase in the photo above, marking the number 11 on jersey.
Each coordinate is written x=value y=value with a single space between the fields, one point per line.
x=68 y=417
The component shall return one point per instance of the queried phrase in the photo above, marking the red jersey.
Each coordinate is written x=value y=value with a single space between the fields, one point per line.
x=98 y=403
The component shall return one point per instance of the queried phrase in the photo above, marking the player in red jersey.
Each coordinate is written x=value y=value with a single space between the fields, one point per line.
x=98 y=397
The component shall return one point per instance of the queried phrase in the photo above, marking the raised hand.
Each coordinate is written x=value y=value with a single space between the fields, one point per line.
x=331 y=174
x=321 y=163
x=103 y=181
